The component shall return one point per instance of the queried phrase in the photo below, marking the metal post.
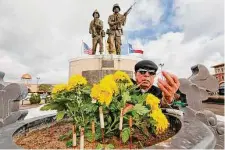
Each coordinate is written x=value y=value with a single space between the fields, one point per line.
x=38 y=78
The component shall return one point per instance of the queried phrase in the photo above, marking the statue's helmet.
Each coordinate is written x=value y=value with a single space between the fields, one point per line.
x=96 y=11
x=116 y=5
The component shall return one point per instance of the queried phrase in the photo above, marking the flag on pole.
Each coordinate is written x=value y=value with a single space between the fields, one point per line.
x=87 y=49
x=131 y=50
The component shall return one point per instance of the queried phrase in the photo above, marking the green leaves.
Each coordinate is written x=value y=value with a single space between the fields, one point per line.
x=140 y=109
x=109 y=146
x=125 y=97
x=60 y=115
x=66 y=136
x=125 y=134
x=47 y=107
x=69 y=143
x=109 y=119
x=99 y=146
x=89 y=136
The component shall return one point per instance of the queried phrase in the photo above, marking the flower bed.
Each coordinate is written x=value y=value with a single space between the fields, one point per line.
x=56 y=137
x=100 y=113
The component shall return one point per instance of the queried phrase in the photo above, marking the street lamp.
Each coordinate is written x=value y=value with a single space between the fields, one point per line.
x=38 y=78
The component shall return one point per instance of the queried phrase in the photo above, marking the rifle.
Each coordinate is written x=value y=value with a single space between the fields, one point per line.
x=126 y=13
x=129 y=9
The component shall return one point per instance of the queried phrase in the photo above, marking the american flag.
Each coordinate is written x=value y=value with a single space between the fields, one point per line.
x=87 y=49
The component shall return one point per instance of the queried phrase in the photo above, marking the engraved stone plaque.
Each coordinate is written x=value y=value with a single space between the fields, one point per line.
x=107 y=63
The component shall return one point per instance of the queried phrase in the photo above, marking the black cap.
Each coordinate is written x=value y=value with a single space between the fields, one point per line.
x=146 y=64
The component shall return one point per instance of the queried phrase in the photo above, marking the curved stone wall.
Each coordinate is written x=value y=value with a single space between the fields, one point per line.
x=94 y=67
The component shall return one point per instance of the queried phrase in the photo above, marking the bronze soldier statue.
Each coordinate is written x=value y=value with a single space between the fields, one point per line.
x=115 y=31
x=96 y=29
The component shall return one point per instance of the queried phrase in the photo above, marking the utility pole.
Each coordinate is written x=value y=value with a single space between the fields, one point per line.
x=38 y=78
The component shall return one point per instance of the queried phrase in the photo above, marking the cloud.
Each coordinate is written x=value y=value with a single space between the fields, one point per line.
x=200 y=17
x=179 y=57
x=200 y=40
x=146 y=13
x=39 y=37
x=14 y=68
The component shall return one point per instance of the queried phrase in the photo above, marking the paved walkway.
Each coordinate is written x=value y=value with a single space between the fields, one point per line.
x=36 y=112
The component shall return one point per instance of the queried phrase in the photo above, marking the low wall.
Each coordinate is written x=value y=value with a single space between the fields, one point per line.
x=94 y=67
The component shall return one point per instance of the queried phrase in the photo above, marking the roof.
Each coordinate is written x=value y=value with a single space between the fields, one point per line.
x=218 y=65
x=26 y=76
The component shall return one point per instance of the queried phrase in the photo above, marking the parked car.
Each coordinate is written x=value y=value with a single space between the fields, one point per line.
x=221 y=90
x=43 y=96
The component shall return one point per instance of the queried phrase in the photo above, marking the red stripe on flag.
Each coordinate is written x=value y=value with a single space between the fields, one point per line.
x=88 y=52
x=138 y=51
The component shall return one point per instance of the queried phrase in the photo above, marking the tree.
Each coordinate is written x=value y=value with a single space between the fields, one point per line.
x=45 y=87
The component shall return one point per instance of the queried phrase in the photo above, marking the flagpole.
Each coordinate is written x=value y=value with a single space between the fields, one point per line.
x=128 y=52
x=82 y=47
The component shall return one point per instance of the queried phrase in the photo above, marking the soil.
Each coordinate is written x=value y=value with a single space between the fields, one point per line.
x=48 y=138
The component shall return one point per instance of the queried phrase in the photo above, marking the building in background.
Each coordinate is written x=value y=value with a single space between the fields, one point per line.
x=35 y=88
x=219 y=73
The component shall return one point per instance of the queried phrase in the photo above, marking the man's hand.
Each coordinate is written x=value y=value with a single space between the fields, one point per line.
x=169 y=86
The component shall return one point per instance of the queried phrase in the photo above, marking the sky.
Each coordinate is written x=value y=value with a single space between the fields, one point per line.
x=40 y=37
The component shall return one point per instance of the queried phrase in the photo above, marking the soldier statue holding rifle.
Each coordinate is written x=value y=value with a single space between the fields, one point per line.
x=97 y=32
x=115 y=31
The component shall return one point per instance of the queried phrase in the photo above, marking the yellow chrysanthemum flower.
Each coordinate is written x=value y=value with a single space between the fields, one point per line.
x=76 y=80
x=58 y=88
x=95 y=93
x=120 y=76
x=153 y=101
x=102 y=93
x=161 y=121
x=109 y=81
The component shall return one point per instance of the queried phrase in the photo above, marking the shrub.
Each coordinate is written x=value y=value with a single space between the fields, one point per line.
x=48 y=99
x=35 y=99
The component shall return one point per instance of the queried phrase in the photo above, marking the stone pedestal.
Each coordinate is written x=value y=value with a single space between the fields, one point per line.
x=94 y=67
x=10 y=96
